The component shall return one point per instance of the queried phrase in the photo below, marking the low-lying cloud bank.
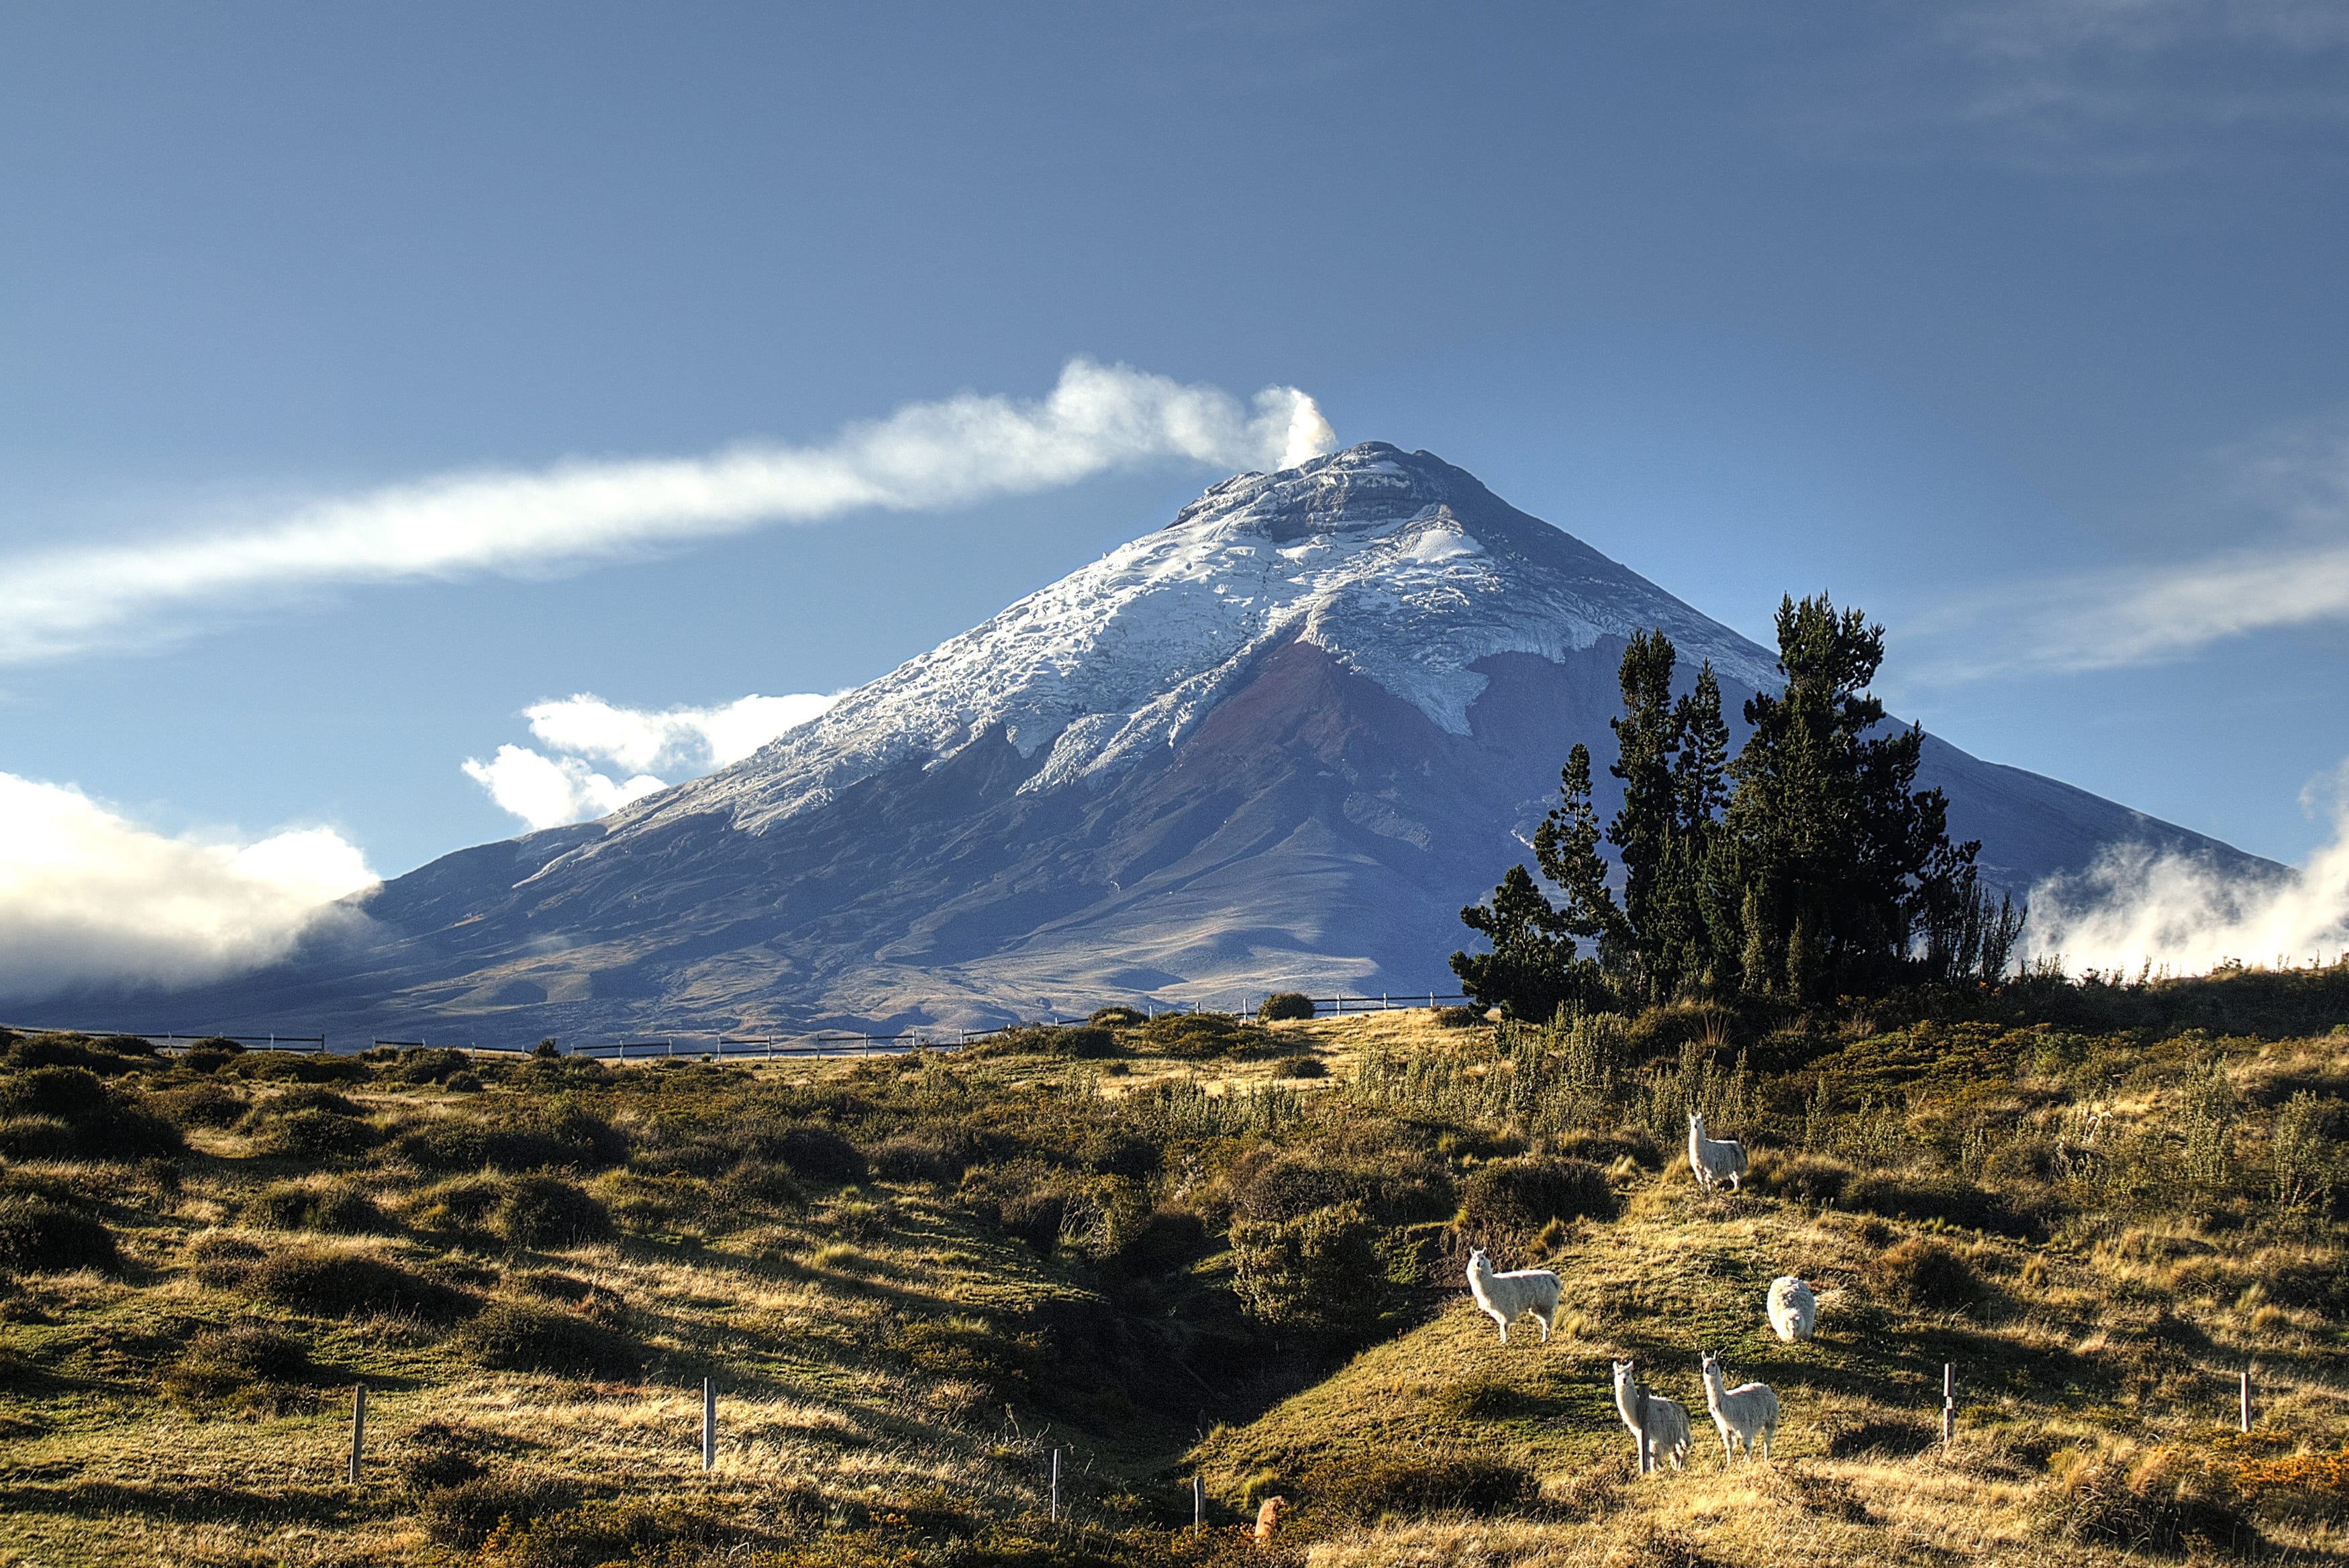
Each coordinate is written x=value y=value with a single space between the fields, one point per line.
x=91 y=901
x=2183 y=914
x=549 y=791
x=926 y=456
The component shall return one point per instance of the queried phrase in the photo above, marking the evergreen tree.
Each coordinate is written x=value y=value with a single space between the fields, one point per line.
x=1566 y=847
x=1647 y=831
x=1841 y=859
x=1532 y=967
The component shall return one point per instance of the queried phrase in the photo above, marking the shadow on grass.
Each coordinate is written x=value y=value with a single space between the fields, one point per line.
x=179 y=1504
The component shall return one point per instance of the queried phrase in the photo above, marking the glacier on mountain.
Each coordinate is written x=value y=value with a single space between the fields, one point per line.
x=1389 y=562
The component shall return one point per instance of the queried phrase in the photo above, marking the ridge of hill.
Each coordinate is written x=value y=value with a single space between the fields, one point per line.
x=1189 y=1244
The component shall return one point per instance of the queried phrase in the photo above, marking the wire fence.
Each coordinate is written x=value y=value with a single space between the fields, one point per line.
x=777 y=1047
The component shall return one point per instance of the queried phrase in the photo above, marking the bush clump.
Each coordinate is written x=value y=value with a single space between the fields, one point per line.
x=1283 y=1006
x=337 y=1208
x=346 y=1285
x=40 y=1236
x=203 y=1104
x=1199 y=1036
x=1924 y=1272
x=245 y=1366
x=523 y=1337
x=96 y=1121
x=1319 y=1274
x=221 y=1261
x=2158 y=1499
x=463 y=1515
x=545 y=1210
x=1118 y=1018
x=1300 y=1067
x=1818 y=1178
x=1070 y=1042
x=1381 y=1484
x=1519 y=1197
x=309 y=1132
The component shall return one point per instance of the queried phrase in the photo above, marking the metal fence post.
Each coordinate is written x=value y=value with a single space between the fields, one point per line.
x=1198 y=1503
x=708 y=1424
x=2247 y=1400
x=1949 y=1402
x=1056 y=1486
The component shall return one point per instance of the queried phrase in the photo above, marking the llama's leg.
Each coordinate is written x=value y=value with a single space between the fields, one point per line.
x=1544 y=1320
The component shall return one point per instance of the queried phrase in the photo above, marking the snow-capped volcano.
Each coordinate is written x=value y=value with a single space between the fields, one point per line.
x=1276 y=743
x=1401 y=568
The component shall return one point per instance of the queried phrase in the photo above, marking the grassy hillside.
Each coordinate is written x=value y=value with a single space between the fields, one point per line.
x=1190 y=1245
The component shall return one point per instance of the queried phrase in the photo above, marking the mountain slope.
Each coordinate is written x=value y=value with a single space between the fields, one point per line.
x=1278 y=743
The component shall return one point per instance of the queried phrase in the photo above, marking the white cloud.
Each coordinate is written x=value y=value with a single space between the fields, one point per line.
x=549 y=791
x=2289 y=488
x=90 y=901
x=925 y=456
x=2183 y=914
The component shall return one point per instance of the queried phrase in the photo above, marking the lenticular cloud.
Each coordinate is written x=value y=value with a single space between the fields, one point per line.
x=926 y=456
x=92 y=902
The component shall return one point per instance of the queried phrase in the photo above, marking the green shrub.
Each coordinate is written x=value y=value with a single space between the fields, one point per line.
x=314 y=1134
x=245 y=1365
x=68 y=1051
x=1300 y=1067
x=347 y=1284
x=38 y=1137
x=1118 y=1018
x=427 y=1064
x=197 y=1105
x=1199 y=1036
x=1395 y=1185
x=1319 y=1274
x=40 y=1236
x=2159 y=1498
x=1283 y=1006
x=1478 y=1399
x=1458 y=1018
x=521 y=1337
x=337 y=1209
x=1072 y=1042
x=223 y=1262
x=1382 y=1483
x=459 y=1206
x=464 y=1515
x=104 y=1124
x=1519 y=1197
x=1818 y=1178
x=1924 y=1272
x=2016 y=1211
x=549 y=1212
x=921 y=1156
x=1167 y=1238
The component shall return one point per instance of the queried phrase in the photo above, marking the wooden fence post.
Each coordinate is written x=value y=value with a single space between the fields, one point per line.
x=1056 y=1486
x=1949 y=1402
x=359 y=1430
x=2247 y=1400
x=708 y=1424
x=1198 y=1503
x=1640 y=1435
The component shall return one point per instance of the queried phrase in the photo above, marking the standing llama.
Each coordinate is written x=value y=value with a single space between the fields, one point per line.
x=1505 y=1297
x=1667 y=1421
x=1794 y=1310
x=1714 y=1160
x=1747 y=1410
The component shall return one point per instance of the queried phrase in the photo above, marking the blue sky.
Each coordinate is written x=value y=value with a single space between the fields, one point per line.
x=2020 y=326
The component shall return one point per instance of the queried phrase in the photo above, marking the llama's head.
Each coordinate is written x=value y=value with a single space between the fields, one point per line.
x=1622 y=1372
x=1709 y=1370
x=1477 y=1258
x=1696 y=1124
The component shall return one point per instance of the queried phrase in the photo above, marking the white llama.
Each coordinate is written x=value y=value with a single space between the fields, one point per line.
x=1794 y=1310
x=1714 y=1160
x=1747 y=1410
x=1506 y=1296
x=1668 y=1420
